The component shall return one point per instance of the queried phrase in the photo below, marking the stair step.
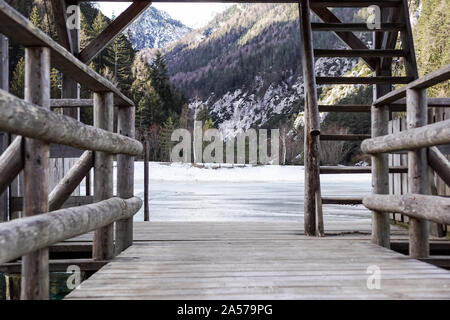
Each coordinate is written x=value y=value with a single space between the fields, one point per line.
x=316 y=26
x=71 y=103
x=363 y=80
x=356 y=170
x=342 y=200
x=345 y=108
x=354 y=3
x=359 y=53
x=344 y=137
x=398 y=106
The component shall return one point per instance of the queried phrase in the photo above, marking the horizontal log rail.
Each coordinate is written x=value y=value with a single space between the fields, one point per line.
x=23 y=118
x=426 y=81
x=419 y=206
x=21 y=236
x=427 y=136
x=22 y=31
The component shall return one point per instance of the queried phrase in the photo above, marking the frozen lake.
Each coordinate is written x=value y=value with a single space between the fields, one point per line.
x=180 y=192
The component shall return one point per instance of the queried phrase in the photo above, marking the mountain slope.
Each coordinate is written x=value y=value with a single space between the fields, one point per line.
x=155 y=29
x=245 y=65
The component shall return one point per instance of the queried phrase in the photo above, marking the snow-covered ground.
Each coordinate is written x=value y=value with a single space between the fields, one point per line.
x=213 y=172
x=226 y=193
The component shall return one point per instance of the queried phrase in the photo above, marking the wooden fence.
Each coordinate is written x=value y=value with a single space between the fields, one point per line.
x=419 y=140
x=398 y=182
x=36 y=127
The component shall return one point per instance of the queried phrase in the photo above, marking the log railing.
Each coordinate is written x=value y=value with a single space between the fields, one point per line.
x=37 y=126
x=419 y=140
x=21 y=236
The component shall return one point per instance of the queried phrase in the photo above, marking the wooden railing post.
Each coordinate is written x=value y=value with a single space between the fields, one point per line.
x=146 y=182
x=125 y=178
x=417 y=116
x=35 y=272
x=4 y=84
x=312 y=127
x=380 y=177
x=70 y=88
x=103 y=244
x=380 y=162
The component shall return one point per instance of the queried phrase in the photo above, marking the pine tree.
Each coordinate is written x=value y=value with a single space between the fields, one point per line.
x=172 y=100
x=184 y=117
x=99 y=24
x=149 y=108
x=36 y=18
x=85 y=32
x=119 y=59
x=160 y=78
x=165 y=139
x=205 y=118
x=208 y=124
x=18 y=79
x=55 y=91
x=432 y=37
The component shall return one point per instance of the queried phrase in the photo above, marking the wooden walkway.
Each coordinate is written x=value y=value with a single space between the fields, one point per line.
x=187 y=260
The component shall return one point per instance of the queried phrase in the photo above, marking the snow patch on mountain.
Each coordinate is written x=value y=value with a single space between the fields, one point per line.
x=155 y=29
x=242 y=109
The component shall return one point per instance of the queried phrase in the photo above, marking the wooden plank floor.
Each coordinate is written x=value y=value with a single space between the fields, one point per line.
x=272 y=260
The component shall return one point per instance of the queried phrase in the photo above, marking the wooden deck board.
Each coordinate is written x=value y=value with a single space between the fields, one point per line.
x=217 y=231
x=192 y=260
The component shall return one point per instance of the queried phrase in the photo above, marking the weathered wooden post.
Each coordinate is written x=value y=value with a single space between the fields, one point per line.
x=103 y=244
x=146 y=184
x=4 y=84
x=312 y=126
x=380 y=177
x=69 y=38
x=417 y=116
x=35 y=272
x=380 y=162
x=125 y=178
x=70 y=88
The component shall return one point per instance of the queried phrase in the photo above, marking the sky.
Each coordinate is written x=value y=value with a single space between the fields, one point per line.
x=194 y=15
